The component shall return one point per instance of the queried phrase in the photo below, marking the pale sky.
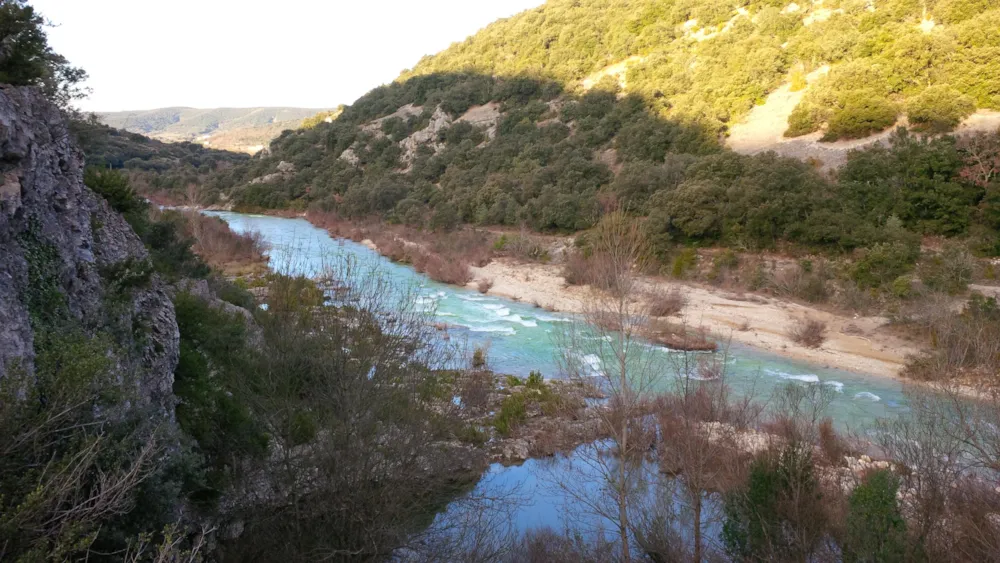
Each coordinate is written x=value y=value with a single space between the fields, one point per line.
x=144 y=54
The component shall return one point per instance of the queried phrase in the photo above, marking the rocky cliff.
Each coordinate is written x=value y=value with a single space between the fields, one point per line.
x=62 y=246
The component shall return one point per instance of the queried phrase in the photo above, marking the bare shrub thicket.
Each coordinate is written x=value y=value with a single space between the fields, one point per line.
x=806 y=280
x=950 y=446
x=701 y=442
x=962 y=344
x=810 y=333
x=484 y=285
x=443 y=257
x=613 y=333
x=665 y=303
x=218 y=245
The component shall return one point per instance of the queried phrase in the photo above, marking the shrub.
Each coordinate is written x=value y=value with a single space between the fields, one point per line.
x=471 y=434
x=949 y=271
x=862 y=114
x=663 y=303
x=832 y=446
x=882 y=263
x=512 y=414
x=876 y=530
x=777 y=515
x=803 y=120
x=479 y=358
x=440 y=269
x=476 y=388
x=684 y=262
x=535 y=380
x=218 y=245
x=577 y=269
x=938 y=109
x=484 y=285
x=810 y=333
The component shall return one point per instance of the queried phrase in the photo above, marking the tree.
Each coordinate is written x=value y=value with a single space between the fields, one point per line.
x=26 y=59
x=778 y=515
x=615 y=325
x=981 y=155
x=876 y=530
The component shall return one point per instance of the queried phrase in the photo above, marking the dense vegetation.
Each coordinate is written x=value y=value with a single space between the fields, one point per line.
x=153 y=166
x=713 y=60
x=558 y=162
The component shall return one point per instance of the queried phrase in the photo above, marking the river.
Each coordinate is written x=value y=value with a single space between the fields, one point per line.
x=521 y=339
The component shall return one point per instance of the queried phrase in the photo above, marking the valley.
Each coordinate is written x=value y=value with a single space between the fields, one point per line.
x=630 y=281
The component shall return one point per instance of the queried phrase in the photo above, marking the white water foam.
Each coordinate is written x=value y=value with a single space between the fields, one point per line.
x=805 y=378
x=837 y=386
x=593 y=361
x=443 y=314
x=551 y=319
x=472 y=298
x=523 y=322
x=493 y=328
x=868 y=396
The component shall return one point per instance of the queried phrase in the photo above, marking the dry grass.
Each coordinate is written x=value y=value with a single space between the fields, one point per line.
x=810 y=333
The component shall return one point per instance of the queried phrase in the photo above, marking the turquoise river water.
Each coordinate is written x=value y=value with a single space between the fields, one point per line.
x=521 y=339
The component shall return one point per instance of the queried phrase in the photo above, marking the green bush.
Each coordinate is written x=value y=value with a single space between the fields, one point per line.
x=938 y=109
x=803 y=120
x=882 y=264
x=535 y=380
x=876 y=530
x=479 y=358
x=778 y=514
x=863 y=113
x=512 y=414
x=684 y=262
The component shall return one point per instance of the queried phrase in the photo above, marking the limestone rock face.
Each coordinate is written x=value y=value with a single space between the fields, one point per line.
x=50 y=221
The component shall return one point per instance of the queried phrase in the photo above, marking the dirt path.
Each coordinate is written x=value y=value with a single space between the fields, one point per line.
x=853 y=343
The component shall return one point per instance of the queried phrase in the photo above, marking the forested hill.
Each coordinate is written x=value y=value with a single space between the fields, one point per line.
x=933 y=61
x=553 y=117
x=235 y=129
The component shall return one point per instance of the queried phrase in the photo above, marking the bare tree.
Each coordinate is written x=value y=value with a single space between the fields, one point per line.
x=610 y=345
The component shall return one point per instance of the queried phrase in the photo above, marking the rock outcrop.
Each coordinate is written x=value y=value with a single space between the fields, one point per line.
x=56 y=232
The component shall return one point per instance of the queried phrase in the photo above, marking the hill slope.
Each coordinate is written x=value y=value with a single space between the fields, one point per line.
x=236 y=129
x=526 y=124
x=933 y=61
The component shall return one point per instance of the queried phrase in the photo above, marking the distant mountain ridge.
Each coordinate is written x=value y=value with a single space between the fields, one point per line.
x=235 y=129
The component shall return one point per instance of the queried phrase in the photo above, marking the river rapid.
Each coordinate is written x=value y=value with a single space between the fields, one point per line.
x=522 y=338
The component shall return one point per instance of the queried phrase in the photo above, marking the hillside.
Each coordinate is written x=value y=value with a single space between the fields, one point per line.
x=713 y=61
x=235 y=129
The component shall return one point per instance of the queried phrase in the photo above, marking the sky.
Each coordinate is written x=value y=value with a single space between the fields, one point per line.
x=145 y=54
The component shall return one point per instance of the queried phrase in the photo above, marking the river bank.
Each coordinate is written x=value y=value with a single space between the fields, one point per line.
x=853 y=343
